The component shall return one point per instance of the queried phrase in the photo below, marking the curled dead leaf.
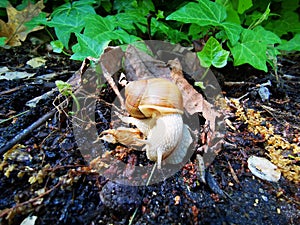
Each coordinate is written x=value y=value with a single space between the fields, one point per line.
x=15 y=29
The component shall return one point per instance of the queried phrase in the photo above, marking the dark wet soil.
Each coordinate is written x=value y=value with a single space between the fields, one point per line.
x=46 y=175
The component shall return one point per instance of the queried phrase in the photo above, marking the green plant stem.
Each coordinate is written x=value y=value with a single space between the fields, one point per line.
x=133 y=216
x=151 y=174
x=8 y=119
x=49 y=33
x=75 y=100
x=67 y=54
x=205 y=73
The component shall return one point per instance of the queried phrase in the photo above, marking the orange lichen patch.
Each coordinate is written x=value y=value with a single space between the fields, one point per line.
x=283 y=154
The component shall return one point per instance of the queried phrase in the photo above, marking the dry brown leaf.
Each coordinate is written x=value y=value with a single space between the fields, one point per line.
x=140 y=65
x=14 y=29
x=193 y=101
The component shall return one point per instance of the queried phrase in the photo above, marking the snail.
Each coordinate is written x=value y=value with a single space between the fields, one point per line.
x=156 y=107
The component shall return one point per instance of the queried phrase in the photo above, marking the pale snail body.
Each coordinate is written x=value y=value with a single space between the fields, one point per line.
x=156 y=107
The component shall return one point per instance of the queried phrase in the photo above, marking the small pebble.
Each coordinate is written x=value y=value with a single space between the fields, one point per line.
x=278 y=211
x=264 y=198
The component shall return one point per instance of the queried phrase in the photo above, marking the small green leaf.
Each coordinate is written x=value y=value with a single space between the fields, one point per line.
x=2 y=41
x=4 y=3
x=213 y=54
x=243 y=5
x=291 y=45
x=199 y=84
x=57 y=46
x=106 y=5
x=87 y=46
x=202 y=13
x=160 y=15
x=251 y=49
x=63 y=87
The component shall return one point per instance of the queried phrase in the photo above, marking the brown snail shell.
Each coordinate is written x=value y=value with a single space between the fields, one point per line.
x=153 y=97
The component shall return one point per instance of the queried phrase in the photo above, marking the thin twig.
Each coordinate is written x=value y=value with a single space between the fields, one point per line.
x=113 y=85
x=236 y=179
x=11 y=90
x=26 y=132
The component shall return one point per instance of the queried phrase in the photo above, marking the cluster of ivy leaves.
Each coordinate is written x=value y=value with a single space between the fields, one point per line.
x=244 y=31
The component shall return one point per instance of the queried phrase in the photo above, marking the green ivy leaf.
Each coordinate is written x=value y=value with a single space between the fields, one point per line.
x=129 y=21
x=168 y=33
x=202 y=13
x=87 y=46
x=243 y=5
x=288 y=22
x=266 y=36
x=232 y=14
x=4 y=3
x=97 y=25
x=212 y=14
x=106 y=5
x=213 y=54
x=36 y=21
x=197 y=31
x=64 y=26
x=69 y=18
x=82 y=7
x=291 y=45
x=104 y=28
x=123 y=5
x=57 y=46
x=124 y=37
x=251 y=49
x=290 y=5
x=232 y=31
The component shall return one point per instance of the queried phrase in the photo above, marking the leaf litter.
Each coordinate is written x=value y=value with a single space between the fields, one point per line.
x=15 y=29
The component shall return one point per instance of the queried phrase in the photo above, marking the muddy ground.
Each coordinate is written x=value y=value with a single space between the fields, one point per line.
x=46 y=177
